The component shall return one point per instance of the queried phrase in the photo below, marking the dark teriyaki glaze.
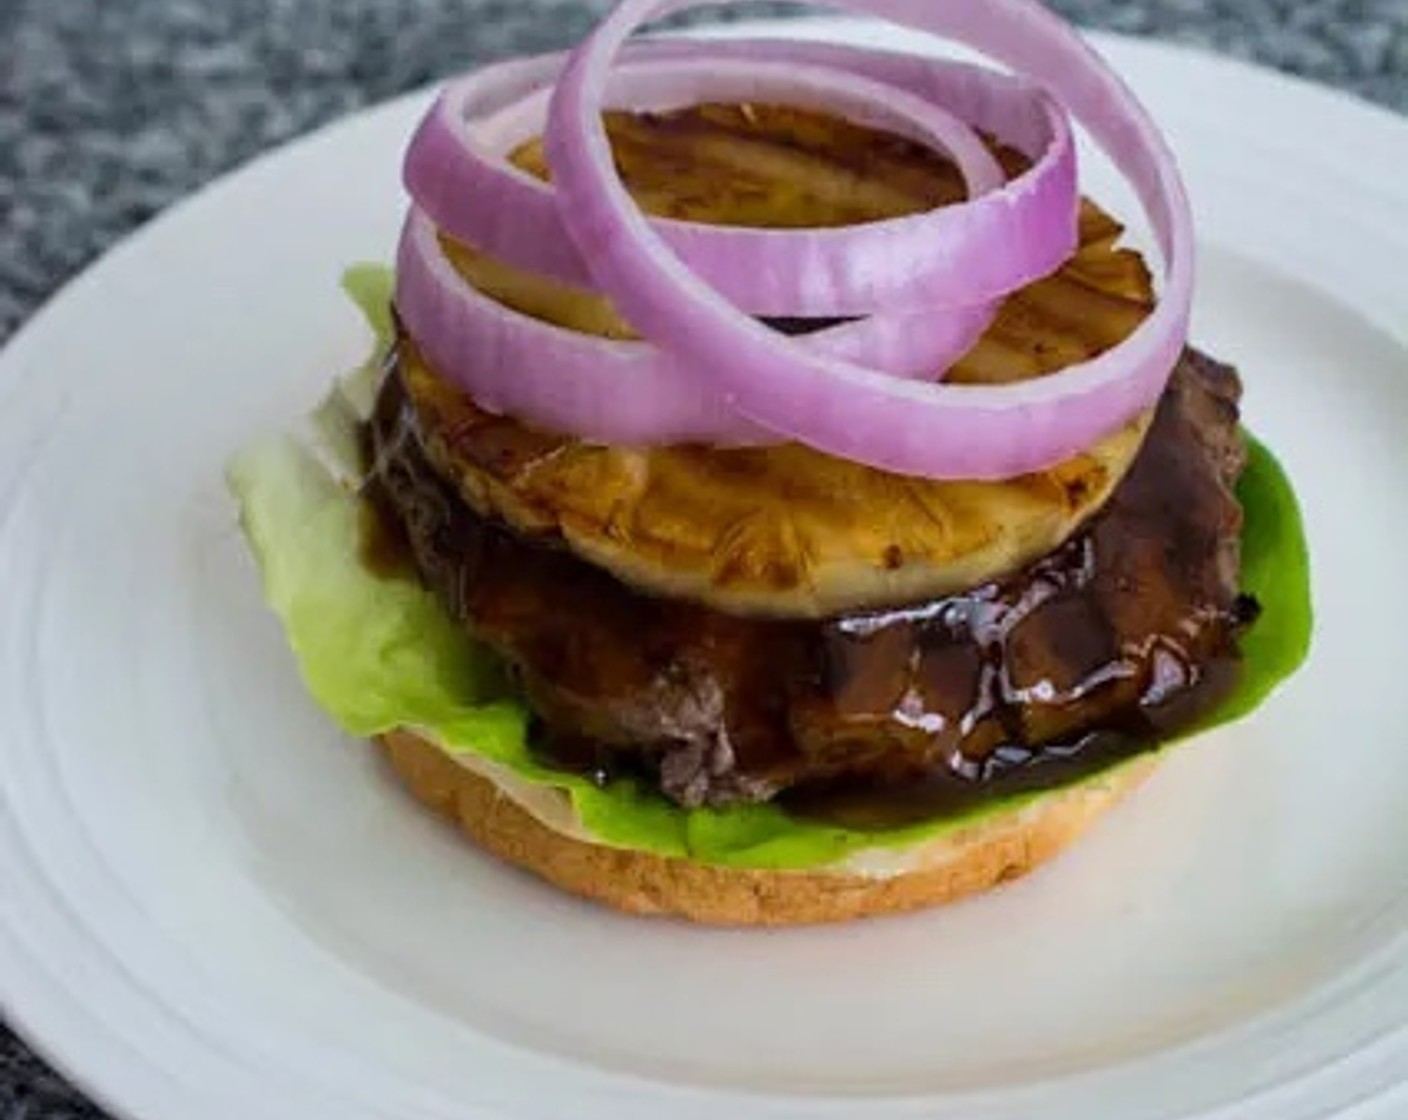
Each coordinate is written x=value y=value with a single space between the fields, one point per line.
x=1011 y=769
x=1103 y=648
x=384 y=549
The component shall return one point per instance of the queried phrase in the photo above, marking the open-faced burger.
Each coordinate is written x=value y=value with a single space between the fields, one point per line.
x=805 y=507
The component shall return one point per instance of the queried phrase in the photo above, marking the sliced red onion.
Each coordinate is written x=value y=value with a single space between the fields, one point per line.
x=939 y=431
x=599 y=389
x=595 y=388
x=457 y=172
x=631 y=392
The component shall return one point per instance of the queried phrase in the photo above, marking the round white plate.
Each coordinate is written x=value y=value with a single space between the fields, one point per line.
x=213 y=905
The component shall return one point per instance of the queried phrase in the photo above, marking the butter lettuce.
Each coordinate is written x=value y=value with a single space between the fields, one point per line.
x=379 y=653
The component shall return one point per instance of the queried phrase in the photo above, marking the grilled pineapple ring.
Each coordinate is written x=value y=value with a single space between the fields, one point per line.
x=785 y=530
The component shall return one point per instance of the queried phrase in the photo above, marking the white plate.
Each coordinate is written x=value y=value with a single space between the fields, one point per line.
x=212 y=905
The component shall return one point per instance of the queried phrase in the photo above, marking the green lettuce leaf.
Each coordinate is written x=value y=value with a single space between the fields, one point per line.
x=370 y=287
x=379 y=653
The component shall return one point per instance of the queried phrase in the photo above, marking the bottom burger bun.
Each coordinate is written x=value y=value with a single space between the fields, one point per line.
x=512 y=821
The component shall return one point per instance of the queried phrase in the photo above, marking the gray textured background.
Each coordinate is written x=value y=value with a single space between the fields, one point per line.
x=112 y=109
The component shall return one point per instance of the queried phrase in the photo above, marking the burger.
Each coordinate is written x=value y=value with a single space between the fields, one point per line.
x=777 y=495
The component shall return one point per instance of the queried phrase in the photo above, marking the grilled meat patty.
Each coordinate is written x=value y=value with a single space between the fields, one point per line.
x=1100 y=648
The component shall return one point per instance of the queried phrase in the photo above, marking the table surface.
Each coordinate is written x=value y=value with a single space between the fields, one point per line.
x=109 y=112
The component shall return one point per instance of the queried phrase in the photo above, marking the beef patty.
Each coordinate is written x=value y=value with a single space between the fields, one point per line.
x=1097 y=650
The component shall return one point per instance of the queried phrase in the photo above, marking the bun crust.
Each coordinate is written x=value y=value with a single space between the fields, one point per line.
x=950 y=867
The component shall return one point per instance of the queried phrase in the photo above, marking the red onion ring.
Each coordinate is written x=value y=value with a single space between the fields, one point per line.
x=939 y=431
x=624 y=392
x=456 y=171
x=600 y=389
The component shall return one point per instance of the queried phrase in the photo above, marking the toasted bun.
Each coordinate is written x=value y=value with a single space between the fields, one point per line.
x=786 y=530
x=1000 y=847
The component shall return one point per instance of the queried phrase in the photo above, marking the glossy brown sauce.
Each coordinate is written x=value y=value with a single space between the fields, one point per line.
x=1099 y=651
x=1011 y=769
x=382 y=544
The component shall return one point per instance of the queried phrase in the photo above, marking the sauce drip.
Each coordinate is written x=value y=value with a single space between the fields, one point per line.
x=1011 y=770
